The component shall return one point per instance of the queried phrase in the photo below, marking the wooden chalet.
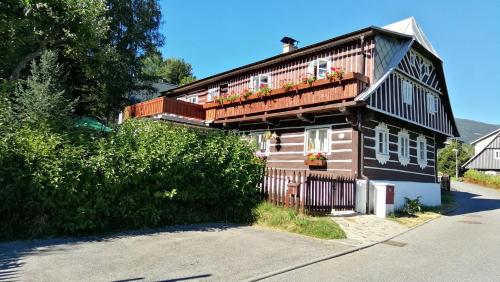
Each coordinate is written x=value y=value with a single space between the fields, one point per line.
x=486 y=154
x=373 y=102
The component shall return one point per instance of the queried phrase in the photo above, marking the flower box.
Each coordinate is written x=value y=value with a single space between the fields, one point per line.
x=317 y=163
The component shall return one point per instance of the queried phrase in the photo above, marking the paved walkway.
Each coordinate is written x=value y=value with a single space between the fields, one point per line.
x=364 y=229
x=463 y=246
x=213 y=252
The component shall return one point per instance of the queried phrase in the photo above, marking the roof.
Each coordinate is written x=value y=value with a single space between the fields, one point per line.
x=410 y=27
x=485 y=136
x=496 y=132
x=299 y=52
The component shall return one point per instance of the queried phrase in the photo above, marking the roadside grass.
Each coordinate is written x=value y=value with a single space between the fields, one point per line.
x=428 y=213
x=269 y=215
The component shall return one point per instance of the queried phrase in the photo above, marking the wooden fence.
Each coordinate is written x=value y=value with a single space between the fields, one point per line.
x=308 y=191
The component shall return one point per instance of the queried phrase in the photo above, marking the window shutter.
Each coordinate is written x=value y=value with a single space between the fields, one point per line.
x=329 y=65
x=251 y=83
x=310 y=68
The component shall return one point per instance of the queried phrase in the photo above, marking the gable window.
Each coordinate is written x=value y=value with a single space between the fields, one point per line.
x=407 y=92
x=318 y=68
x=382 y=143
x=497 y=154
x=260 y=81
x=404 y=147
x=192 y=99
x=432 y=103
x=212 y=94
x=422 y=151
x=260 y=141
x=317 y=140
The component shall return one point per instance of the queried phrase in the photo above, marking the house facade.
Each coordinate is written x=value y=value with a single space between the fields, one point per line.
x=486 y=154
x=373 y=103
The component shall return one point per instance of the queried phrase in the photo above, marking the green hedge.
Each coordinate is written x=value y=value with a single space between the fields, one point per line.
x=477 y=177
x=146 y=174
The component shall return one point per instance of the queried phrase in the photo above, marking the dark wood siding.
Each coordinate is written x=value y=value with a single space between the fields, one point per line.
x=393 y=169
x=288 y=151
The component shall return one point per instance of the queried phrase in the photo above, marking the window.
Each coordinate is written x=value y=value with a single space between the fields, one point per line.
x=497 y=154
x=407 y=92
x=382 y=143
x=432 y=103
x=422 y=151
x=212 y=93
x=260 y=81
x=317 y=140
x=404 y=147
x=223 y=89
x=192 y=99
x=318 y=68
x=260 y=142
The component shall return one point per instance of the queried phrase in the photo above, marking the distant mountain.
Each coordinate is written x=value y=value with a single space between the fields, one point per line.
x=471 y=130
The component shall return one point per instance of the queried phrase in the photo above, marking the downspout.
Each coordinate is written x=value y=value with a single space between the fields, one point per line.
x=361 y=144
x=361 y=147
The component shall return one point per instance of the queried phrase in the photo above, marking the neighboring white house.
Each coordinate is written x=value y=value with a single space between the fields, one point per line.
x=486 y=154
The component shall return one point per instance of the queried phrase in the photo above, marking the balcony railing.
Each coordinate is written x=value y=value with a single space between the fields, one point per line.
x=319 y=92
x=164 y=105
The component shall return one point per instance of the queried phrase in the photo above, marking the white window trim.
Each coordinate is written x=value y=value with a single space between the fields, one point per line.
x=188 y=97
x=403 y=147
x=328 y=138
x=422 y=162
x=432 y=103
x=256 y=86
x=315 y=63
x=266 y=153
x=212 y=93
x=382 y=157
x=407 y=92
x=496 y=154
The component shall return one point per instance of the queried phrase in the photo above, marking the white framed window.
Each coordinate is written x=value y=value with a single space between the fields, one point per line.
x=432 y=103
x=260 y=141
x=260 y=81
x=496 y=153
x=212 y=94
x=192 y=99
x=319 y=68
x=422 y=151
x=407 y=92
x=317 y=140
x=404 y=147
x=382 y=143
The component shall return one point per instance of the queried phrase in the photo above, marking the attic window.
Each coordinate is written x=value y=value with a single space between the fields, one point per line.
x=318 y=68
x=407 y=92
x=432 y=103
x=497 y=154
x=223 y=89
x=260 y=81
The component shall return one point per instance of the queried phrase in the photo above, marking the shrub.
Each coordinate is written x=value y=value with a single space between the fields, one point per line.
x=477 y=177
x=412 y=206
x=146 y=174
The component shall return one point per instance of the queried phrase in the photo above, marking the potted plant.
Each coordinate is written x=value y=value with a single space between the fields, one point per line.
x=309 y=79
x=287 y=85
x=315 y=159
x=247 y=93
x=336 y=73
x=264 y=90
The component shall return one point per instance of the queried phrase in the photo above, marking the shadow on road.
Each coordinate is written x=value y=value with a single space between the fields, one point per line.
x=11 y=253
x=472 y=203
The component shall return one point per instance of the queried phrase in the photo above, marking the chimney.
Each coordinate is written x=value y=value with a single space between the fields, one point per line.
x=289 y=44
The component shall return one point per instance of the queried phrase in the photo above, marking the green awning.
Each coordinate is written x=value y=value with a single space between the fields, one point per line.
x=92 y=124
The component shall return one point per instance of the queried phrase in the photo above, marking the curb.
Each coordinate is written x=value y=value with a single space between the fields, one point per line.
x=339 y=254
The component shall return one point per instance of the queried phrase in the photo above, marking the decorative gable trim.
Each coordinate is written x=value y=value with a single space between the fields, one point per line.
x=421 y=69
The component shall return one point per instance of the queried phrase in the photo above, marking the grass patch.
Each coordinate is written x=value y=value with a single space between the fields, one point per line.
x=281 y=218
x=479 y=178
x=447 y=204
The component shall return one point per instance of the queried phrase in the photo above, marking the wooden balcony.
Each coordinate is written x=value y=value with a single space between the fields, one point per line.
x=164 y=105
x=303 y=95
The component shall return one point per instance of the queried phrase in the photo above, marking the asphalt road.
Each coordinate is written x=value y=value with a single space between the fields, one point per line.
x=464 y=246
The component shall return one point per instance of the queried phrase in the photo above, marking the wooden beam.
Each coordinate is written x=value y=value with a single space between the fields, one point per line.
x=282 y=114
x=271 y=121
x=305 y=117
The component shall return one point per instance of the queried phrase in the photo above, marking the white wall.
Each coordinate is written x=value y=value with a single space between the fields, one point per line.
x=430 y=193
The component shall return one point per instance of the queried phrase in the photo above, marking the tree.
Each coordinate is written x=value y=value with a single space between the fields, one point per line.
x=172 y=70
x=446 y=156
x=41 y=98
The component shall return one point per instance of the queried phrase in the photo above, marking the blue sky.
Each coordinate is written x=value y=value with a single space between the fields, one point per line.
x=215 y=36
